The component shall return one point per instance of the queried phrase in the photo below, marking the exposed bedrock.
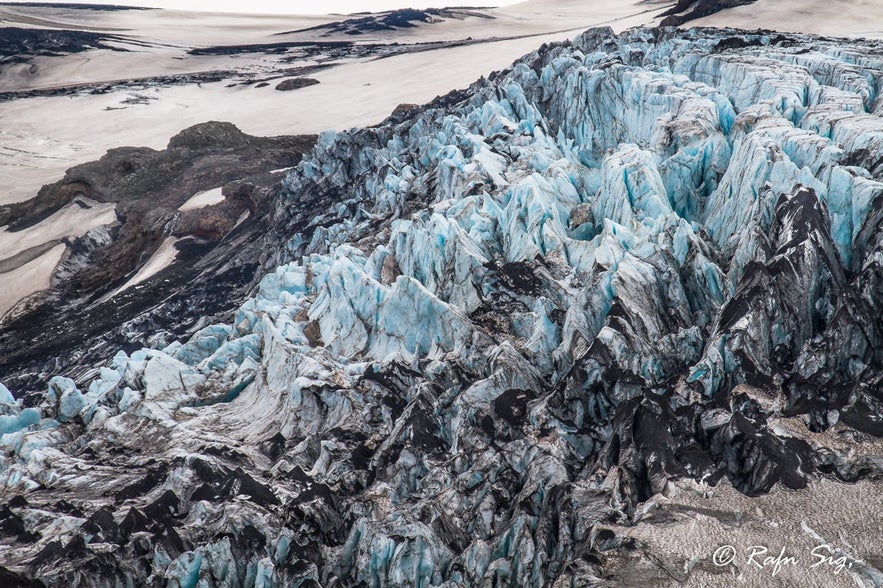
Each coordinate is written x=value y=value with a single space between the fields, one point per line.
x=686 y=10
x=217 y=246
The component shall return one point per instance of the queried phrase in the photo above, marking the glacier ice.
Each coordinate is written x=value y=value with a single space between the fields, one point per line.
x=504 y=325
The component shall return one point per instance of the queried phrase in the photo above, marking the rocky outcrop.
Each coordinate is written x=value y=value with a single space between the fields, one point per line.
x=686 y=10
x=295 y=84
x=148 y=188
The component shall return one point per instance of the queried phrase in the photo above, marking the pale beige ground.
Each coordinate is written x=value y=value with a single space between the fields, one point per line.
x=843 y=18
x=683 y=530
x=29 y=278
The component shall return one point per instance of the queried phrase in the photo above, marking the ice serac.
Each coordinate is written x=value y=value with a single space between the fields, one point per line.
x=503 y=333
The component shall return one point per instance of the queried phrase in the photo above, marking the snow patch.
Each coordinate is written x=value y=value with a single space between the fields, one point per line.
x=203 y=199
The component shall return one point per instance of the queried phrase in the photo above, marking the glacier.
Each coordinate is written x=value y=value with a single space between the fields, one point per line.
x=492 y=325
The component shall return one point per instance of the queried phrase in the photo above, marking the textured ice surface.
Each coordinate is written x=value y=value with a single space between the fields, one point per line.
x=521 y=311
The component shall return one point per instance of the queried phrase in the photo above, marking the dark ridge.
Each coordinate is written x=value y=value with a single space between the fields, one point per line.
x=208 y=77
x=404 y=18
x=17 y=44
x=268 y=47
x=741 y=42
x=10 y=579
x=678 y=15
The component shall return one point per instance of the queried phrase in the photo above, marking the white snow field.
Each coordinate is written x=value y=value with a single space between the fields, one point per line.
x=20 y=274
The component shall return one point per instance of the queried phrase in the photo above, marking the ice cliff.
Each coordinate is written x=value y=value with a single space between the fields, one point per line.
x=493 y=325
